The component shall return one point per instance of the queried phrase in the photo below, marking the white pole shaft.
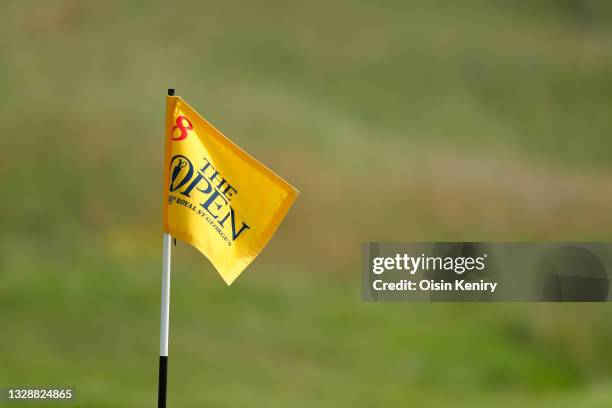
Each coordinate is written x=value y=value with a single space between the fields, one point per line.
x=165 y=300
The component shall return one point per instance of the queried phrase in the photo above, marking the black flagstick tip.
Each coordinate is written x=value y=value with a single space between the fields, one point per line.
x=170 y=91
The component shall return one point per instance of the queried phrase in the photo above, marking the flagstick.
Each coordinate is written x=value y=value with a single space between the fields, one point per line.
x=165 y=316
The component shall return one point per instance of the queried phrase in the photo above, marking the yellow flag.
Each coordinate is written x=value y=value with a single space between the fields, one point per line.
x=217 y=197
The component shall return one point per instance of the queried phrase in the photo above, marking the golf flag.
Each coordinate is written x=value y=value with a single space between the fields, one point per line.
x=217 y=197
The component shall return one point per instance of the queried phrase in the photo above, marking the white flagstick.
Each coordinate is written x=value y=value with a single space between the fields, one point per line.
x=165 y=303
x=165 y=316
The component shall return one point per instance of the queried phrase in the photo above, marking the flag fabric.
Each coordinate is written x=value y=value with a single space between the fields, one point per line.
x=217 y=197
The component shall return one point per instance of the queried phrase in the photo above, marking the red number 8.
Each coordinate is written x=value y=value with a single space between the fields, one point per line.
x=180 y=124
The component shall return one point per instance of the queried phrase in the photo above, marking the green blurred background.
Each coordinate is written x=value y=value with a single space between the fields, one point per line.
x=431 y=120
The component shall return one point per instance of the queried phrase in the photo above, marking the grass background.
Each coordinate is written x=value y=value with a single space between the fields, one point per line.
x=429 y=120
